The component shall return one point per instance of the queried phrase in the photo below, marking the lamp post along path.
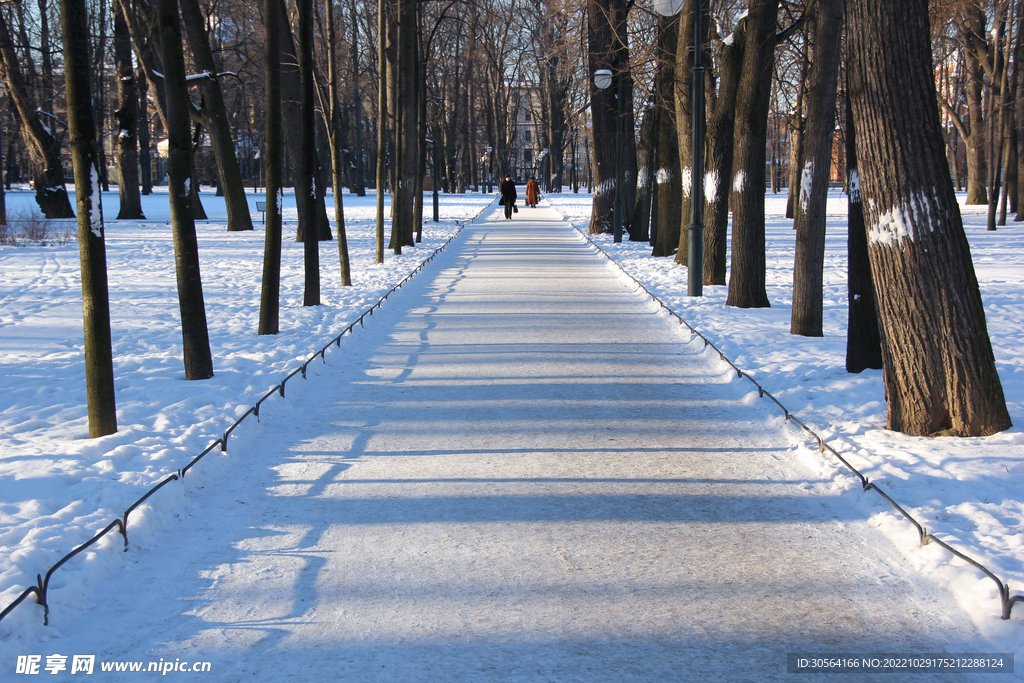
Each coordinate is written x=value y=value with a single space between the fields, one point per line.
x=695 y=243
x=603 y=79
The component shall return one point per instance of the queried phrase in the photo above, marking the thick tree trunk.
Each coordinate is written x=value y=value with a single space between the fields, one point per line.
x=721 y=124
x=863 y=340
x=667 y=203
x=127 y=116
x=747 y=277
x=684 y=121
x=270 y=293
x=940 y=373
x=977 y=168
x=195 y=335
x=99 y=364
x=214 y=117
x=640 y=221
x=809 y=262
x=406 y=107
x=684 y=126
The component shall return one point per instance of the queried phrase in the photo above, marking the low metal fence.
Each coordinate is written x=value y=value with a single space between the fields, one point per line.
x=40 y=589
x=1006 y=600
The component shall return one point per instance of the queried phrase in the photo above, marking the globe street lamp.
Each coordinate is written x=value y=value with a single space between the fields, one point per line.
x=695 y=244
x=490 y=169
x=603 y=80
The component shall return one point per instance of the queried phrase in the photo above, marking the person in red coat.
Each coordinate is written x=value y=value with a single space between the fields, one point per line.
x=532 y=192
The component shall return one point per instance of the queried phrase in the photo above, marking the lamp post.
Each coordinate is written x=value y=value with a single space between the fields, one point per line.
x=695 y=244
x=603 y=80
x=490 y=168
x=433 y=149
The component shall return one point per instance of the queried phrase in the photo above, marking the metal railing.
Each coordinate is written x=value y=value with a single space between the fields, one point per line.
x=40 y=590
x=1006 y=600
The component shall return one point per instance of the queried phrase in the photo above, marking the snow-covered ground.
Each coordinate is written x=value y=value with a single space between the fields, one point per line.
x=57 y=488
x=968 y=492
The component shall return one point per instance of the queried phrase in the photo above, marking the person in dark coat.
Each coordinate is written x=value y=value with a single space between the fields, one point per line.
x=508 y=195
x=532 y=192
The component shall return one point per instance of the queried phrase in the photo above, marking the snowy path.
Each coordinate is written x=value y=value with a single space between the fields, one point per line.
x=518 y=472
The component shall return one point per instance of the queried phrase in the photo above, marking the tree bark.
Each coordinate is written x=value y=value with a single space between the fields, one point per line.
x=747 y=279
x=863 y=339
x=99 y=364
x=406 y=130
x=977 y=169
x=721 y=124
x=145 y=157
x=270 y=292
x=358 y=170
x=640 y=221
x=684 y=122
x=337 y=160
x=667 y=207
x=307 y=161
x=818 y=138
x=940 y=372
x=127 y=117
x=195 y=336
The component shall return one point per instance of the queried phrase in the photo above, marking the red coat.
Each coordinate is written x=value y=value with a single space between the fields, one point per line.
x=532 y=192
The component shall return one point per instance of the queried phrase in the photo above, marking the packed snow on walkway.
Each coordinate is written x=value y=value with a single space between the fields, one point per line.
x=57 y=487
x=967 y=491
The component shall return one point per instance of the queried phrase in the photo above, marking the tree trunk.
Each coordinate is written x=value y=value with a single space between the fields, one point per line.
x=382 y=124
x=863 y=340
x=270 y=293
x=43 y=147
x=406 y=108
x=337 y=160
x=358 y=172
x=294 y=139
x=747 y=277
x=667 y=202
x=809 y=263
x=684 y=125
x=214 y=117
x=307 y=161
x=127 y=116
x=795 y=122
x=195 y=335
x=99 y=364
x=940 y=373
x=640 y=221
x=977 y=169
x=721 y=124
x=145 y=157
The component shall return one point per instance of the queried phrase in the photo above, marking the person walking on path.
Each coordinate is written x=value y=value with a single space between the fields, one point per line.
x=532 y=193
x=508 y=195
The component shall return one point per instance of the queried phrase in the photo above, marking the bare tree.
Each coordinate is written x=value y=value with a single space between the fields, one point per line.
x=194 y=332
x=818 y=140
x=99 y=364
